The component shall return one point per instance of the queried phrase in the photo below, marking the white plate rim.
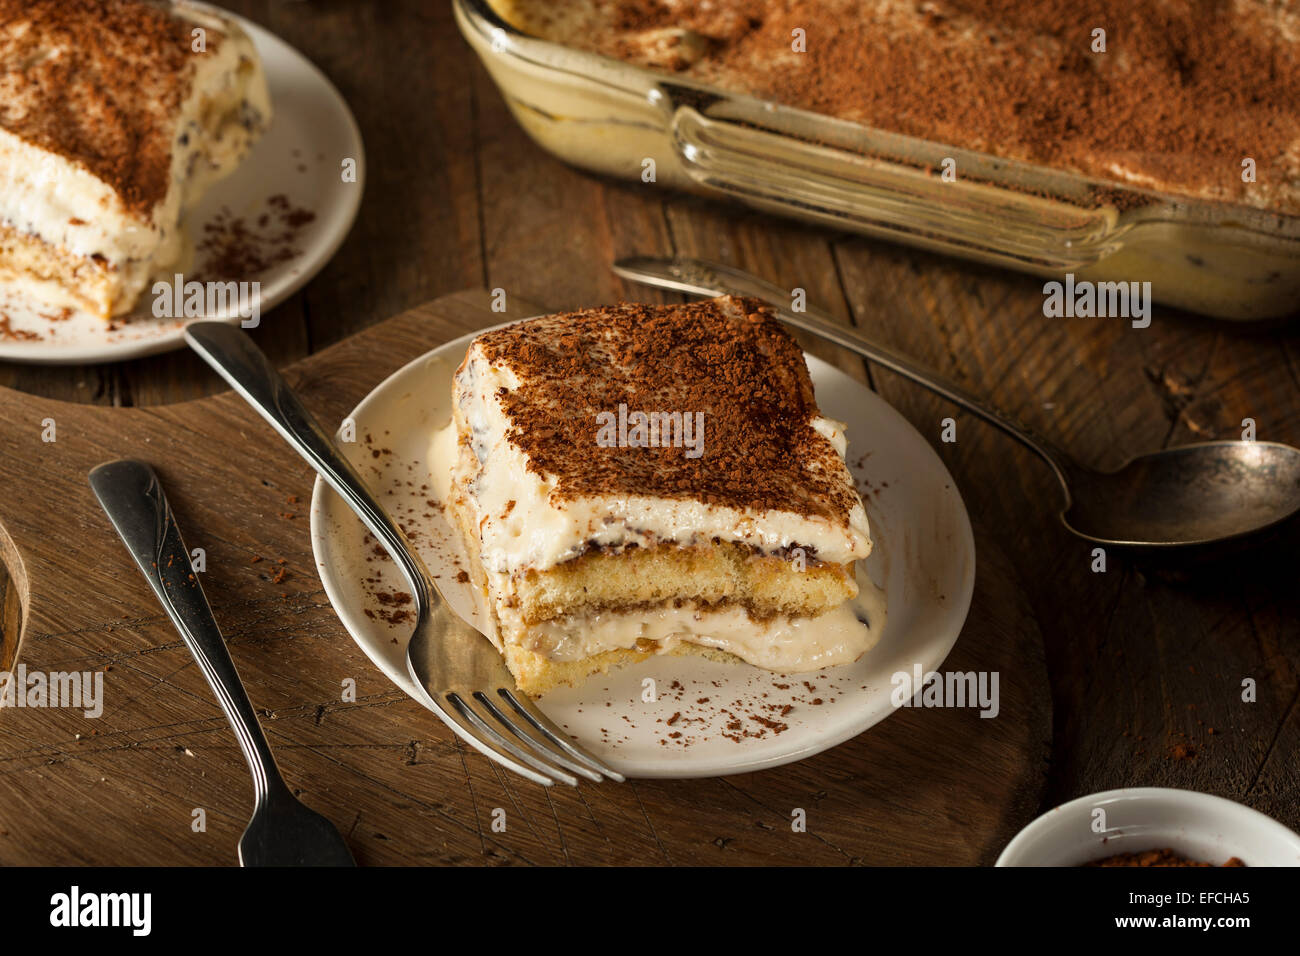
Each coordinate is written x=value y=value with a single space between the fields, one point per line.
x=959 y=608
x=1025 y=848
x=342 y=215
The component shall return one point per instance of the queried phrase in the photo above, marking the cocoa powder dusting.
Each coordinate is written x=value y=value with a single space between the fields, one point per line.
x=1164 y=857
x=239 y=247
x=727 y=359
x=99 y=82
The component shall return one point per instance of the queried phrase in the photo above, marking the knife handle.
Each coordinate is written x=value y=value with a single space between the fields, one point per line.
x=133 y=499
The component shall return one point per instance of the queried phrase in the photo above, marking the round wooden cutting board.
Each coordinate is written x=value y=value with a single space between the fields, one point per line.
x=158 y=779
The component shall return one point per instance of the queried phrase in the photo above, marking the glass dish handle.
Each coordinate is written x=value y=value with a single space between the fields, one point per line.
x=888 y=198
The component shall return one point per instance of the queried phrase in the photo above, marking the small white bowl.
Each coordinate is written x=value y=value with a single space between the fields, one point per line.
x=1194 y=825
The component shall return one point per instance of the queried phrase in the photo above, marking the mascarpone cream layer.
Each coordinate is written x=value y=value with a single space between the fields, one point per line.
x=786 y=644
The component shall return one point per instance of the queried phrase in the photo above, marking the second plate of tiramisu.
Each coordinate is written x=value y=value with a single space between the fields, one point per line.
x=159 y=163
x=701 y=551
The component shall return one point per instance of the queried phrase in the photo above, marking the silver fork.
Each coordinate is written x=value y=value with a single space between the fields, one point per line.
x=283 y=830
x=457 y=672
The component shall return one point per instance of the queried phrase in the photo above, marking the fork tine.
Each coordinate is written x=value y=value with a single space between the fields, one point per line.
x=469 y=733
x=466 y=710
x=544 y=725
x=536 y=740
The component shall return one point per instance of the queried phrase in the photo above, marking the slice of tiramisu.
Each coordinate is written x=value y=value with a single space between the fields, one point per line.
x=635 y=480
x=115 y=116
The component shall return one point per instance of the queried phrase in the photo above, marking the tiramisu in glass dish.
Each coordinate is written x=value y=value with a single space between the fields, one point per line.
x=637 y=480
x=115 y=117
x=1118 y=141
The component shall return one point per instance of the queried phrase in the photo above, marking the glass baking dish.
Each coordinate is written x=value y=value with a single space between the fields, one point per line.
x=1224 y=260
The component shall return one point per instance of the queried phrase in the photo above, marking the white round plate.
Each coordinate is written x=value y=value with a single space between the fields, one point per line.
x=1194 y=825
x=708 y=719
x=298 y=157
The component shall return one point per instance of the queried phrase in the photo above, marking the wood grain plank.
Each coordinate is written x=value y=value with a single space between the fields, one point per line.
x=550 y=232
x=1147 y=656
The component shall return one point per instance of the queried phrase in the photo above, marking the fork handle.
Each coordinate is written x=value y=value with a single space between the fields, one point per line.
x=133 y=499
x=234 y=356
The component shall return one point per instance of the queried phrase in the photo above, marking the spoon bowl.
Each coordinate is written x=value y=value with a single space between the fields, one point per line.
x=1192 y=494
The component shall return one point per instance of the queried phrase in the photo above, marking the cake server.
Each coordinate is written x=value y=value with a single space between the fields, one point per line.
x=283 y=830
x=458 y=674
x=1189 y=495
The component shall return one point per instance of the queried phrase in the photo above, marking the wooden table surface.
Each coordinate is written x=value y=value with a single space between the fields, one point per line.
x=1146 y=661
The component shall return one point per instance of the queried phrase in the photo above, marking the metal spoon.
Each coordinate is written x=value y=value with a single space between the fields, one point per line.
x=1189 y=495
x=283 y=831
